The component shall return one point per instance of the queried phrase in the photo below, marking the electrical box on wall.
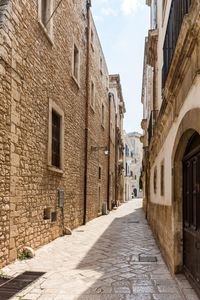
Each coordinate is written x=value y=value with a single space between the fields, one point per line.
x=61 y=198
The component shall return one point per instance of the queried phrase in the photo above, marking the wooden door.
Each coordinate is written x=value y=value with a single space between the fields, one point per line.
x=191 y=210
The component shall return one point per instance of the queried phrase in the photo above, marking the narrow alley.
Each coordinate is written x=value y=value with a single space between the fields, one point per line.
x=113 y=257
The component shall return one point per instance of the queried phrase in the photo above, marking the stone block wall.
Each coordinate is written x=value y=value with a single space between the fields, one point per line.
x=98 y=131
x=36 y=69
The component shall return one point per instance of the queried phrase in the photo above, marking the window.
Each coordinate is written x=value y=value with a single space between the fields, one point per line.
x=162 y=190
x=99 y=173
x=126 y=171
x=101 y=65
x=56 y=137
x=45 y=15
x=135 y=177
x=102 y=115
x=76 y=63
x=176 y=16
x=56 y=129
x=155 y=181
x=126 y=150
x=44 y=12
x=92 y=39
x=92 y=96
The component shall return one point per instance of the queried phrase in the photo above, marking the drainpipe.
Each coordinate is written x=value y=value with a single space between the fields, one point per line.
x=109 y=132
x=88 y=5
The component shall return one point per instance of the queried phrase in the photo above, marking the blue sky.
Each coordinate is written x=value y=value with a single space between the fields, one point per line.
x=122 y=26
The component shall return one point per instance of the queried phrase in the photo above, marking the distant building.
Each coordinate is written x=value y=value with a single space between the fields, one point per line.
x=133 y=165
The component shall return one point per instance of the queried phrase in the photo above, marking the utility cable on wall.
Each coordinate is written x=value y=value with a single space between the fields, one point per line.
x=57 y=6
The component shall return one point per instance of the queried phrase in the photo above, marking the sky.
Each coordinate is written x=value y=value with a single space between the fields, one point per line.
x=122 y=26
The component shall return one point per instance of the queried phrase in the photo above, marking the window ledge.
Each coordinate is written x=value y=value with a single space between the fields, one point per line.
x=76 y=81
x=48 y=36
x=56 y=170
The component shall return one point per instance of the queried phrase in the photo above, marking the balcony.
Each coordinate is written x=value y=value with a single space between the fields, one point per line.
x=177 y=12
x=152 y=121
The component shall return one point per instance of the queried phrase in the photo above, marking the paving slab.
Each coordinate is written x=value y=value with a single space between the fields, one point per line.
x=101 y=261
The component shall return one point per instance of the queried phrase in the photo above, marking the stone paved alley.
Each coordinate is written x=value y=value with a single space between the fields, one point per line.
x=100 y=261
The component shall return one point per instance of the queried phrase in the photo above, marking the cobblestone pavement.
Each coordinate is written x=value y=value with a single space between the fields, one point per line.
x=100 y=261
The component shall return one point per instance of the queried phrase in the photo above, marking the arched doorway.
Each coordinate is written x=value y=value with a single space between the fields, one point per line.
x=191 y=209
x=186 y=140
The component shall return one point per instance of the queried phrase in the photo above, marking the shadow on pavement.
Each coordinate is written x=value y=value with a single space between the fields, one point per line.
x=112 y=267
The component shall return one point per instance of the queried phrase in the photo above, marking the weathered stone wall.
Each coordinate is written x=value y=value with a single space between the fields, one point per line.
x=113 y=149
x=98 y=132
x=159 y=218
x=42 y=71
x=5 y=130
x=34 y=70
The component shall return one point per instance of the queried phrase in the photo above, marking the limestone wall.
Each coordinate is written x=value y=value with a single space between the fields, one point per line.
x=35 y=70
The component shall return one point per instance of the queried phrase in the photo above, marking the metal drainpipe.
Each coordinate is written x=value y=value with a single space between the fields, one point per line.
x=88 y=5
x=109 y=119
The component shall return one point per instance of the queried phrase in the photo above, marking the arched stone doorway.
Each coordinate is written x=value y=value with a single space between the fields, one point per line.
x=187 y=137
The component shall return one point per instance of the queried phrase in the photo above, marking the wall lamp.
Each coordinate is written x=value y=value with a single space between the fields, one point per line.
x=97 y=148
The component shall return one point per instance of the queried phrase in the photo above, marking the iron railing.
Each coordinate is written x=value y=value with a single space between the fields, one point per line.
x=179 y=8
x=152 y=121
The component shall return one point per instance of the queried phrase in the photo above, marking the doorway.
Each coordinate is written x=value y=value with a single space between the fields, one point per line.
x=191 y=210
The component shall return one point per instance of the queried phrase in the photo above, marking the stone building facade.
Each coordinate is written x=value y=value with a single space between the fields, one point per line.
x=117 y=110
x=136 y=165
x=54 y=125
x=171 y=91
x=132 y=165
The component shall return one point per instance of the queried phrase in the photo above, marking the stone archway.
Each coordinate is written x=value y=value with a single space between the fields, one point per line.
x=189 y=124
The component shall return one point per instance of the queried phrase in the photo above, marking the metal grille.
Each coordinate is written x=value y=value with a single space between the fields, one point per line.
x=179 y=8
x=148 y=259
x=56 y=139
x=8 y=288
